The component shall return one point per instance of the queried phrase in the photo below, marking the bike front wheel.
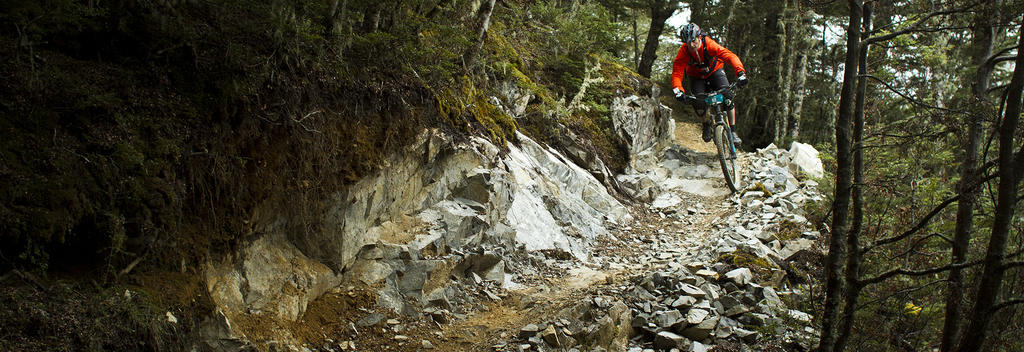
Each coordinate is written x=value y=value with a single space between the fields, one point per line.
x=727 y=157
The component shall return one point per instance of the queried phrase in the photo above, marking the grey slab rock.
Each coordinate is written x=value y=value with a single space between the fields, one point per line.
x=668 y=319
x=737 y=310
x=771 y=299
x=684 y=302
x=696 y=315
x=729 y=301
x=740 y=276
x=528 y=331
x=713 y=291
x=693 y=291
x=701 y=331
x=746 y=335
x=371 y=320
x=666 y=340
x=550 y=335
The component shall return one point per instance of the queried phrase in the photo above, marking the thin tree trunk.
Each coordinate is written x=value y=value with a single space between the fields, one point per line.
x=853 y=255
x=992 y=274
x=800 y=80
x=841 y=202
x=660 y=12
x=788 y=35
x=436 y=9
x=636 y=41
x=983 y=36
x=337 y=11
x=484 y=16
x=371 y=18
x=729 y=16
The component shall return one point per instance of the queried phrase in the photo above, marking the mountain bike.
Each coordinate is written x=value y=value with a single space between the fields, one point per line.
x=723 y=136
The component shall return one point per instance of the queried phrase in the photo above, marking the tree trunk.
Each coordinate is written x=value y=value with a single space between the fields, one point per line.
x=337 y=11
x=767 y=123
x=660 y=12
x=371 y=18
x=435 y=9
x=853 y=254
x=729 y=16
x=983 y=37
x=992 y=274
x=800 y=78
x=484 y=18
x=787 y=36
x=841 y=202
x=636 y=41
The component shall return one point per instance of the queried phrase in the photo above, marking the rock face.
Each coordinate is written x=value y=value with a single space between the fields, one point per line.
x=443 y=213
x=439 y=210
x=644 y=122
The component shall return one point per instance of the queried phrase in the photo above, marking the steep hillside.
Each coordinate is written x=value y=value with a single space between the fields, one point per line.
x=146 y=140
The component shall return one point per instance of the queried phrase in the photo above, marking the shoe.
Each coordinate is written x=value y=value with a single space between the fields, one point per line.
x=706 y=133
x=736 y=139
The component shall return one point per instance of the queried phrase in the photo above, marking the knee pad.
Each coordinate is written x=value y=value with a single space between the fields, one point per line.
x=700 y=110
x=729 y=105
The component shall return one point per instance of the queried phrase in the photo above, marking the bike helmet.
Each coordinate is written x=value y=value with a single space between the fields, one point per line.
x=689 y=32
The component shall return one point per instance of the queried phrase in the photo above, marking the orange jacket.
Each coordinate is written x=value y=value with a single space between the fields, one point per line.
x=691 y=66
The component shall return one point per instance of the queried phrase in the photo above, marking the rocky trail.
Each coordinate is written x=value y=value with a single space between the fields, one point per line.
x=696 y=269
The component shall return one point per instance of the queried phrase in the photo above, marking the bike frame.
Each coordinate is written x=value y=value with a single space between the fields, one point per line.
x=724 y=143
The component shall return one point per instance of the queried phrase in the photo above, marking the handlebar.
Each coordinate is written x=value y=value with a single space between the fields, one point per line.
x=704 y=96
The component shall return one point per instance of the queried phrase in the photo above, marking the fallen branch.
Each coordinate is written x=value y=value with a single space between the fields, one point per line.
x=130 y=266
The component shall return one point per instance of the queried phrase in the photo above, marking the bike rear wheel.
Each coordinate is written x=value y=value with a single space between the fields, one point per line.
x=727 y=157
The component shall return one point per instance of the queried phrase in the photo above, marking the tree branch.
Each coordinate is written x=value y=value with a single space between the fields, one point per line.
x=998 y=55
x=997 y=60
x=1006 y=304
x=920 y=225
x=901 y=271
x=1011 y=265
x=912 y=100
x=915 y=27
x=899 y=293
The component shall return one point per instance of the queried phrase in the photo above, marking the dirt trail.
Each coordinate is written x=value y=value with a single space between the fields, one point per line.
x=555 y=284
x=650 y=232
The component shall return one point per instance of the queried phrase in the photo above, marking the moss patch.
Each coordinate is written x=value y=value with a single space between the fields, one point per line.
x=467 y=108
x=759 y=187
x=789 y=230
x=760 y=266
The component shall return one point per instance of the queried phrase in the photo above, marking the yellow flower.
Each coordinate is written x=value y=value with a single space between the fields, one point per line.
x=911 y=309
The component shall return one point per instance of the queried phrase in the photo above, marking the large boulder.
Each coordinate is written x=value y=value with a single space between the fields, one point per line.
x=805 y=158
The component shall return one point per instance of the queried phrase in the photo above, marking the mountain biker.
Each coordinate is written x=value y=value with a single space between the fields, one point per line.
x=701 y=58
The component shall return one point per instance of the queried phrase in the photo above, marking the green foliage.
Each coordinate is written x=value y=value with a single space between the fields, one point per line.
x=195 y=110
x=83 y=318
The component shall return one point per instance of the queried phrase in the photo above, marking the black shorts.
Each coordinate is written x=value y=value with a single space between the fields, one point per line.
x=715 y=81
